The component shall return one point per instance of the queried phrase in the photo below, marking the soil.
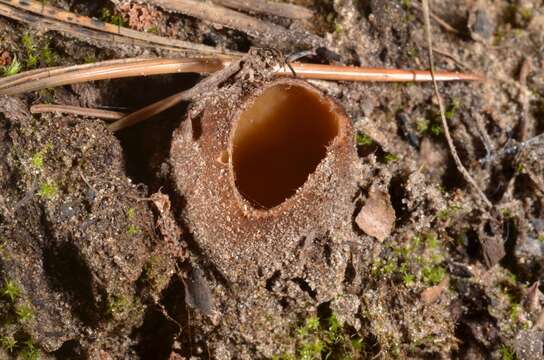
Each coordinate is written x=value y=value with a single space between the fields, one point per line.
x=98 y=261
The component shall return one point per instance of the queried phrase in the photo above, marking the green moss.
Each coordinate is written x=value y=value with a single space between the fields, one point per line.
x=130 y=213
x=452 y=108
x=119 y=305
x=24 y=313
x=437 y=129
x=108 y=16
x=363 y=139
x=31 y=57
x=29 y=352
x=8 y=343
x=515 y=309
x=389 y=158
x=324 y=338
x=37 y=159
x=48 y=190
x=507 y=353
x=133 y=230
x=12 y=69
x=422 y=125
x=433 y=275
x=431 y=240
x=28 y=42
x=408 y=279
x=35 y=55
x=10 y=290
x=48 y=56
x=448 y=212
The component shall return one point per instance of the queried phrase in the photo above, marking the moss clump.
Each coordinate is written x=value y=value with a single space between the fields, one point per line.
x=507 y=353
x=324 y=339
x=29 y=351
x=8 y=343
x=10 y=290
x=12 y=69
x=109 y=16
x=119 y=306
x=133 y=230
x=416 y=263
x=390 y=158
x=363 y=139
x=24 y=313
x=36 y=55
x=38 y=158
x=48 y=190
x=448 y=212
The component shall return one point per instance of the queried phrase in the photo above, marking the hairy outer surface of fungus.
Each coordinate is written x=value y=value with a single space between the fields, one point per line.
x=263 y=173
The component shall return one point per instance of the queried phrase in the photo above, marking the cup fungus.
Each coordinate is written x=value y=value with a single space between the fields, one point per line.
x=261 y=169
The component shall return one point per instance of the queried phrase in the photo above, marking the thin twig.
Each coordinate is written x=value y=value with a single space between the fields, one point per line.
x=536 y=180
x=524 y=98
x=211 y=82
x=452 y=57
x=76 y=110
x=486 y=140
x=437 y=19
x=286 y=10
x=266 y=32
x=59 y=15
x=453 y=150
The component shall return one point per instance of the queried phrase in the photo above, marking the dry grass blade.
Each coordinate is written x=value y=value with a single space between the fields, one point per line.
x=76 y=110
x=112 y=70
x=437 y=19
x=286 y=10
x=59 y=15
x=453 y=150
x=267 y=32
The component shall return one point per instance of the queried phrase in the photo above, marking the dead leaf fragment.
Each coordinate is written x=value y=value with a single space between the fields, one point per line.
x=377 y=216
x=531 y=300
x=431 y=294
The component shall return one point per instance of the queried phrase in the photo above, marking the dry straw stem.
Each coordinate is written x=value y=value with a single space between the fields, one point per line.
x=453 y=150
x=234 y=20
x=436 y=18
x=58 y=19
x=76 y=110
x=285 y=10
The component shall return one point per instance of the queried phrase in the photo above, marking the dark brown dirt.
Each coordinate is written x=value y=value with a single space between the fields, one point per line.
x=94 y=276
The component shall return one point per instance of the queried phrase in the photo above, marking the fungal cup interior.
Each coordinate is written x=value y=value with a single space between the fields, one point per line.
x=279 y=140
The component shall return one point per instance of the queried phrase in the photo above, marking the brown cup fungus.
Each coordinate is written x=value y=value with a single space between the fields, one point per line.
x=262 y=170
